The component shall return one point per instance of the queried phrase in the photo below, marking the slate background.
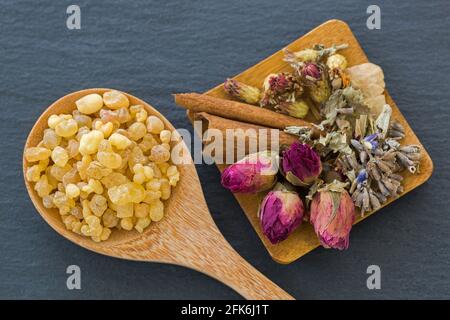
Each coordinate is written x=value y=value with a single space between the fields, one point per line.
x=154 y=48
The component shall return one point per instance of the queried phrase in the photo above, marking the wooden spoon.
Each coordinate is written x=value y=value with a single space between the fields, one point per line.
x=187 y=235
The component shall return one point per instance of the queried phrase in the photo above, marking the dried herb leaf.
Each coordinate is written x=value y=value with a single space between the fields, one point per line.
x=383 y=120
x=336 y=141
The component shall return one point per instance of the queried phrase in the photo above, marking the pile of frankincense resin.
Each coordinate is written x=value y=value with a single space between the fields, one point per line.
x=105 y=166
x=352 y=157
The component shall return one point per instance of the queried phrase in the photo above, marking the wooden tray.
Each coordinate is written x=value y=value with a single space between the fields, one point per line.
x=303 y=240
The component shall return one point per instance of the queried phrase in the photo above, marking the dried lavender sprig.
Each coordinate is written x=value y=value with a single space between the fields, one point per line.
x=412 y=148
x=345 y=110
x=388 y=155
x=395 y=125
x=363 y=157
x=367 y=199
x=406 y=162
x=396 y=176
x=383 y=166
x=356 y=144
x=351 y=159
x=374 y=201
x=391 y=144
x=414 y=156
x=380 y=197
x=394 y=134
x=384 y=191
x=391 y=186
x=373 y=170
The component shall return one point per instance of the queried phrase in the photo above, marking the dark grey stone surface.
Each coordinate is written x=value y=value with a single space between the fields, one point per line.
x=154 y=48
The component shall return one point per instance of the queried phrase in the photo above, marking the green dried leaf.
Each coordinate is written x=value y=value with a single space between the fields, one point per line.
x=313 y=190
x=336 y=141
x=304 y=133
x=353 y=96
x=336 y=197
x=294 y=180
x=334 y=102
x=383 y=120
x=343 y=125
x=351 y=175
x=361 y=126
x=335 y=186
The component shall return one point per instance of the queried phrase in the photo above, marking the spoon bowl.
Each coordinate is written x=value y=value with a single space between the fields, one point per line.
x=187 y=235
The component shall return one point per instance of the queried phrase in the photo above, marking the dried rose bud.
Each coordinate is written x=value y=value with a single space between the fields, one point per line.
x=254 y=173
x=282 y=92
x=242 y=91
x=279 y=83
x=280 y=213
x=315 y=78
x=301 y=164
x=332 y=214
x=297 y=109
x=311 y=71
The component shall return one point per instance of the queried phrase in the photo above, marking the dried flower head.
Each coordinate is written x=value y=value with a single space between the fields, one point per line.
x=311 y=54
x=301 y=164
x=280 y=213
x=332 y=215
x=254 y=173
x=282 y=92
x=296 y=109
x=279 y=84
x=314 y=76
x=337 y=61
x=311 y=71
x=242 y=91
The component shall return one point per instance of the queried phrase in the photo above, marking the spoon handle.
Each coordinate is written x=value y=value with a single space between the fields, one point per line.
x=206 y=250
x=227 y=266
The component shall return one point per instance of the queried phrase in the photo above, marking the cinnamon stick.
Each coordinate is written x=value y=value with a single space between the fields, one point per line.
x=210 y=121
x=237 y=111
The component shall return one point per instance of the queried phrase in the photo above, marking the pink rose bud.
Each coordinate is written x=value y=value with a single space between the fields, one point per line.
x=311 y=71
x=301 y=164
x=280 y=83
x=281 y=212
x=254 y=173
x=332 y=214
